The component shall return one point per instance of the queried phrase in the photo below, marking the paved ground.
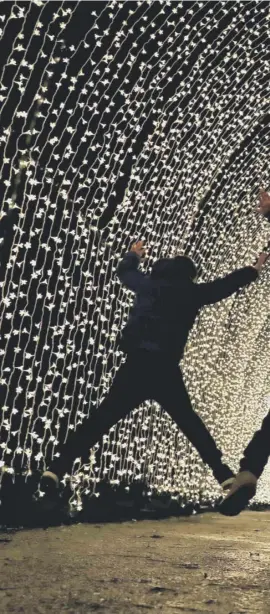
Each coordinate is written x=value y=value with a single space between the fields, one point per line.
x=203 y=564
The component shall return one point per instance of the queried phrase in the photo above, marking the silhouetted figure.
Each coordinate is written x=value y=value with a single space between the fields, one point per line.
x=166 y=305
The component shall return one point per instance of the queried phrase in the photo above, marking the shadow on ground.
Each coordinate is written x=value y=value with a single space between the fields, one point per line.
x=202 y=564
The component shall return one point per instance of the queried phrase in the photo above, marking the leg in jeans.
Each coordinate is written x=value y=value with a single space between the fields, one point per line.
x=257 y=452
x=172 y=395
x=128 y=391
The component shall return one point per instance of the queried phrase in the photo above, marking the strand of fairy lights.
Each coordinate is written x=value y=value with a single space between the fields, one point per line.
x=32 y=225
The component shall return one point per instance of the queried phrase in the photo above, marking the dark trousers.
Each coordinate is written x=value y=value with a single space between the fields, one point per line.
x=144 y=375
x=257 y=452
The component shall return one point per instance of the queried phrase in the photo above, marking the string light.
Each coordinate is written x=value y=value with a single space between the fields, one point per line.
x=152 y=126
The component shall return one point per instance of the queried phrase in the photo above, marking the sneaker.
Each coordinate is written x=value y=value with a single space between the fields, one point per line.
x=243 y=489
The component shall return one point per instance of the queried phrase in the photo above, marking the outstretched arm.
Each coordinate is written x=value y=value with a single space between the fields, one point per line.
x=215 y=291
x=127 y=270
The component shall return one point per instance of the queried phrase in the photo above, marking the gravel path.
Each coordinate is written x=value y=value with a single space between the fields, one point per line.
x=202 y=564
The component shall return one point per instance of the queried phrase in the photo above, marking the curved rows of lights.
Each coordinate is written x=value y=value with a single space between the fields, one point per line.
x=156 y=119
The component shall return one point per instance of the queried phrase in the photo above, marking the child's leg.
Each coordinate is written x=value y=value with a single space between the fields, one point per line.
x=128 y=391
x=172 y=395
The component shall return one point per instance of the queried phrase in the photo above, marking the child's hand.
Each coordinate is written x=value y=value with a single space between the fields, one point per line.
x=138 y=249
x=261 y=261
x=264 y=202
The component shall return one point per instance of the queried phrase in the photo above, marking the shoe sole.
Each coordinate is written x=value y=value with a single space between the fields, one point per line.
x=238 y=501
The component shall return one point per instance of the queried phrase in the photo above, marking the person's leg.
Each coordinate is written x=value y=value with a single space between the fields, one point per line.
x=257 y=452
x=252 y=464
x=172 y=395
x=128 y=391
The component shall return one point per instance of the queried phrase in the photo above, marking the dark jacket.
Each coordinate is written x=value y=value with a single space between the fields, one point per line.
x=165 y=309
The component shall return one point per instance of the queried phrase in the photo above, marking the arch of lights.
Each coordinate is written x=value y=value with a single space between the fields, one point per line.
x=189 y=184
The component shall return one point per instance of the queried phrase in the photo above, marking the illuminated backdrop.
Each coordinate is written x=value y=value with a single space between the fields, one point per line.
x=126 y=121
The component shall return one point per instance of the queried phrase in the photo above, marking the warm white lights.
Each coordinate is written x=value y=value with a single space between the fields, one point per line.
x=166 y=108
